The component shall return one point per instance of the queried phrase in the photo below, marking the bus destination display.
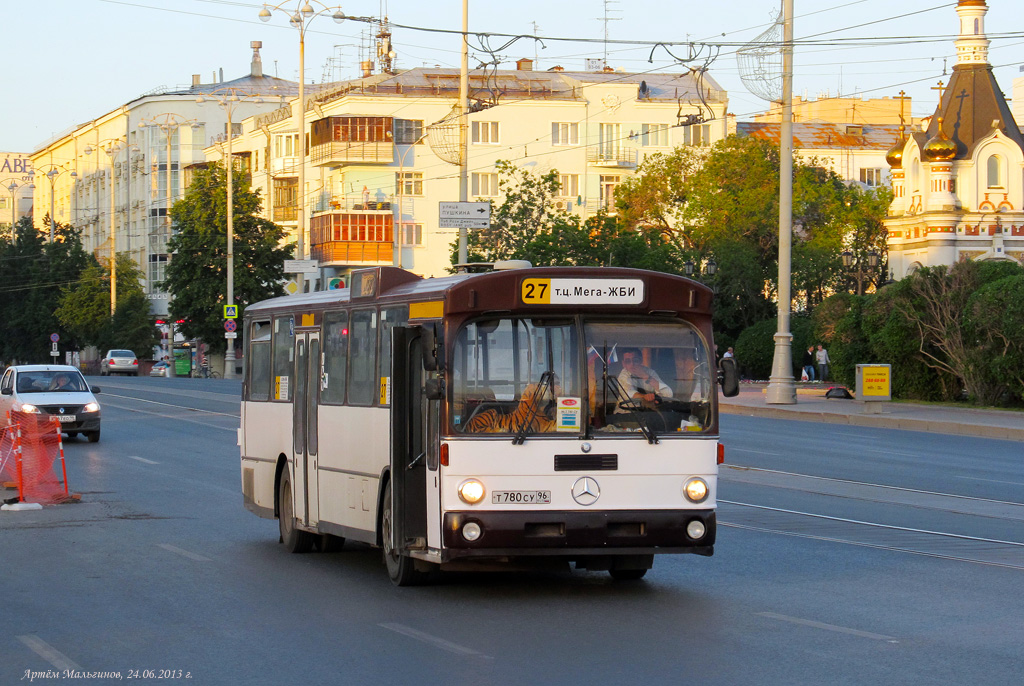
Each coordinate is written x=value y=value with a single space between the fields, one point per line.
x=582 y=291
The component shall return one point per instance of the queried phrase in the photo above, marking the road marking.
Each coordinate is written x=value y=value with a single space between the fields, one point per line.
x=142 y=459
x=180 y=407
x=183 y=553
x=828 y=627
x=433 y=640
x=992 y=481
x=46 y=651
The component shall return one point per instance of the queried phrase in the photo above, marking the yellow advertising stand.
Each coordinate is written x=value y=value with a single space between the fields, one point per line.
x=874 y=385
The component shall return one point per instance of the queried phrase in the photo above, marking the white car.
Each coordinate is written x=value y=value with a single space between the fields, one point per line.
x=119 y=362
x=54 y=389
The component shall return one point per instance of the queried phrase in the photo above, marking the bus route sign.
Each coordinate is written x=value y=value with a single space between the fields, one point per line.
x=582 y=291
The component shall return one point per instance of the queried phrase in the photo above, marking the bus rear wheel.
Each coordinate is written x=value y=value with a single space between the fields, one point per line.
x=295 y=540
x=401 y=569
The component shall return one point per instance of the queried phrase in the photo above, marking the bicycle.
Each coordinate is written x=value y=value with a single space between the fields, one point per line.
x=204 y=372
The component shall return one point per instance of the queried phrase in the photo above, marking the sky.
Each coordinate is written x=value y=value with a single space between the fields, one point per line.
x=70 y=61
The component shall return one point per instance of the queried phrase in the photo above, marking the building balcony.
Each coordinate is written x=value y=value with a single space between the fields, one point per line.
x=361 y=253
x=341 y=153
x=378 y=204
x=617 y=158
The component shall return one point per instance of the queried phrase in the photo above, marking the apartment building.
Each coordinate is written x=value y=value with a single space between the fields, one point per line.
x=116 y=176
x=381 y=152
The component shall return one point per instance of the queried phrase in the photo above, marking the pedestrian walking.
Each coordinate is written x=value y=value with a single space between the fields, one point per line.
x=808 y=364
x=823 y=360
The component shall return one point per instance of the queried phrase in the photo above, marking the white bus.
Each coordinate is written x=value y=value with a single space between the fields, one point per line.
x=509 y=418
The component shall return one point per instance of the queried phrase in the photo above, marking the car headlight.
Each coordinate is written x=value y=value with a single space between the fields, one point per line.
x=696 y=490
x=29 y=409
x=472 y=491
x=91 y=407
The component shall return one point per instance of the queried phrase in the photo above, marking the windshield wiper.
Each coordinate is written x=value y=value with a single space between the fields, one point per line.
x=625 y=402
x=546 y=381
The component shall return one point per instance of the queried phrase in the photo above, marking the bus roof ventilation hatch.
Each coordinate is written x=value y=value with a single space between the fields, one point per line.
x=504 y=265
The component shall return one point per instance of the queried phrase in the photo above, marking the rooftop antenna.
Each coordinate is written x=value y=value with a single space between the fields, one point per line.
x=536 y=55
x=606 y=19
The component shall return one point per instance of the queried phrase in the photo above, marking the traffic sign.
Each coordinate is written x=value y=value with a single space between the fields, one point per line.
x=230 y=311
x=301 y=266
x=53 y=347
x=230 y=334
x=54 y=337
x=54 y=353
x=464 y=215
x=230 y=325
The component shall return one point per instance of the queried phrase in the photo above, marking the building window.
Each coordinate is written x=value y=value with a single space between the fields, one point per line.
x=871 y=177
x=286 y=146
x=654 y=135
x=485 y=184
x=157 y=268
x=408 y=131
x=409 y=183
x=610 y=139
x=286 y=200
x=995 y=172
x=412 y=234
x=568 y=185
x=485 y=132
x=698 y=135
x=565 y=133
x=608 y=186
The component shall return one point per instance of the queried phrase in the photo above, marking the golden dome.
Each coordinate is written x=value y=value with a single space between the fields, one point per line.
x=895 y=155
x=940 y=148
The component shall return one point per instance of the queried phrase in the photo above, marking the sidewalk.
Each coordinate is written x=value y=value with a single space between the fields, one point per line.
x=812 y=406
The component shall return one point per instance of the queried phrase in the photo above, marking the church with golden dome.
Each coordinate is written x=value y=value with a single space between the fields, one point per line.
x=958 y=186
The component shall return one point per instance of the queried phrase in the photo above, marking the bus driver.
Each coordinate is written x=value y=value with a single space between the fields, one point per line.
x=641 y=382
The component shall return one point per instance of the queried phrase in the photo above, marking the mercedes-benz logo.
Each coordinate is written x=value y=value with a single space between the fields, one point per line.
x=586 y=491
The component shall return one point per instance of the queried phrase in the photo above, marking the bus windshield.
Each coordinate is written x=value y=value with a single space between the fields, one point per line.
x=580 y=376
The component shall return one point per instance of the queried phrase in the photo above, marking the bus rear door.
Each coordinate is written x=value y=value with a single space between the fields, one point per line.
x=305 y=403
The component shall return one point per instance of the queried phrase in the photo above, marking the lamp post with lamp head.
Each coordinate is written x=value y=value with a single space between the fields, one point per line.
x=14 y=187
x=300 y=18
x=51 y=175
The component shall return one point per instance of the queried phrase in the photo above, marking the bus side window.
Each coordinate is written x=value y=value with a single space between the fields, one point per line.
x=335 y=357
x=390 y=317
x=259 y=360
x=362 y=369
x=284 y=354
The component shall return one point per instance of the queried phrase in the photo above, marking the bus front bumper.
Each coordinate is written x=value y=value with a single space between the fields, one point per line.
x=616 y=532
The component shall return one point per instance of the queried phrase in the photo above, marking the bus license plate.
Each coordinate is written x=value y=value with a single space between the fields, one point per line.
x=65 y=418
x=521 y=497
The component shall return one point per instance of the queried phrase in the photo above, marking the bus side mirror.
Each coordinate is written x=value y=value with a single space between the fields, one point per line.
x=432 y=347
x=729 y=377
x=433 y=389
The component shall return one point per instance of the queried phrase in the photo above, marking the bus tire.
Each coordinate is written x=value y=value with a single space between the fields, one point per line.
x=295 y=540
x=401 y=569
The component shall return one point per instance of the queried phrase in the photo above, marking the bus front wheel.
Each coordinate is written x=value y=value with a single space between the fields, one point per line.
x=295 y=540
x=401 y=569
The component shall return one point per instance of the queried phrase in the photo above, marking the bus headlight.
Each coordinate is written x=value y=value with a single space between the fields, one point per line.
x=696 y=490
x=472 y=491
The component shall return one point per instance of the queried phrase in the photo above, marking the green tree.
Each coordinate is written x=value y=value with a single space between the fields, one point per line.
x=197 y=272
x=34 y=272
x=84 y=309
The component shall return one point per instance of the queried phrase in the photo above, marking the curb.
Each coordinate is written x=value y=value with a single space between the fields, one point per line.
x=878 y=421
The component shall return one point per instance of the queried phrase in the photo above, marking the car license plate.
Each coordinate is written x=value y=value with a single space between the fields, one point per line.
x=65 y=418
x=521 y=497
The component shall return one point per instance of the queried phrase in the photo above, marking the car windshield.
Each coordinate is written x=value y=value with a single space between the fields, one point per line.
x=50 y=382
x=525 y=376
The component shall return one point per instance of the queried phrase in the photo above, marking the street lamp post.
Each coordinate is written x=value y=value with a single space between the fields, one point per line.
x=228 y=98
x=300 y=18
x=51 y=176
x=13 y=188
x=113 y=148
x=169 y=122
x=872 y=260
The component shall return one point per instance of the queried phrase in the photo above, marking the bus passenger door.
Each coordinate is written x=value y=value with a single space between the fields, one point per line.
x=305 y=403
x=408 y=444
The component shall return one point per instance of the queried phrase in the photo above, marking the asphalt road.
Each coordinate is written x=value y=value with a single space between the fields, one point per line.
x=844 y=556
